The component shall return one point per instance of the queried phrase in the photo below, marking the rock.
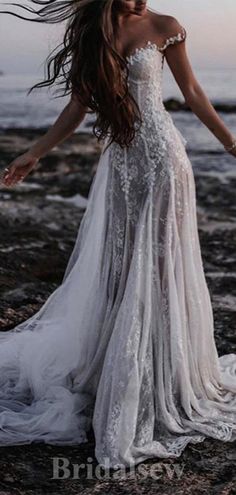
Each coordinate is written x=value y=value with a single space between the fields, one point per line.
x=174 y=105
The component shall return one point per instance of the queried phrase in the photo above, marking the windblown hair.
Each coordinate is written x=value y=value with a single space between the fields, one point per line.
x=87 y=65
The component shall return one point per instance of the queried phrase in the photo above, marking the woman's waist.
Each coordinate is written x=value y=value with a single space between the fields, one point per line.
x=155 y=118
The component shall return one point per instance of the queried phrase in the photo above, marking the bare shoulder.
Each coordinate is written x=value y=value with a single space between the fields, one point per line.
x=165 y=25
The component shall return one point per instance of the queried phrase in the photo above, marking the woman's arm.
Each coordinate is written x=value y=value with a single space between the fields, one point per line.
x=194 y=95
x=69 y=119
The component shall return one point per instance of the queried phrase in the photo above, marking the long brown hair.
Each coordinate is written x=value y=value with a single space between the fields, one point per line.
x=87 y=64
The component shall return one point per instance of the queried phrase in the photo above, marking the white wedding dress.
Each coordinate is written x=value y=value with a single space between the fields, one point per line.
x=126 y=343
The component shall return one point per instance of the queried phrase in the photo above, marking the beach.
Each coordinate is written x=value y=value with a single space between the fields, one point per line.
x=39 y=223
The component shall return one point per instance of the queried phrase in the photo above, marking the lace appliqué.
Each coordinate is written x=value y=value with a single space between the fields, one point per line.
x=140 y=52
x=151 y=46
x=173 y=40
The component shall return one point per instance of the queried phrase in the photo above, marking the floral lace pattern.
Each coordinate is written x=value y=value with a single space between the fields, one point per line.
x=133 y=178
x=162 y=369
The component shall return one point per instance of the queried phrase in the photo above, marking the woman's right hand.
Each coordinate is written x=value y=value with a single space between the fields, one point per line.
x=19 y=169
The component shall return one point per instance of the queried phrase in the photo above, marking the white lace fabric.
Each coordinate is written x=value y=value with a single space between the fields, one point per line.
x=126 y=343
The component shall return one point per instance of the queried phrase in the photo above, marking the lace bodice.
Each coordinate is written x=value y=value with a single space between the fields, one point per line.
x=145 y=74
x=139 y=164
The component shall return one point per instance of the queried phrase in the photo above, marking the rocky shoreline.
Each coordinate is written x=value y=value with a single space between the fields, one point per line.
x=38 y=224
x=175 y=105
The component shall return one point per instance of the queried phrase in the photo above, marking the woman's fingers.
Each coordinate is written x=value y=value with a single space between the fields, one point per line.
x=8 y=175
x=13 y=179
x=13 y=174
x=18 y=169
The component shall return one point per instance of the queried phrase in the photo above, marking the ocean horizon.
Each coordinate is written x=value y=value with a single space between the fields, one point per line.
x=41 y=108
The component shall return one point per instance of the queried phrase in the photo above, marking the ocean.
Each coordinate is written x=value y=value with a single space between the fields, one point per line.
x=40 y=109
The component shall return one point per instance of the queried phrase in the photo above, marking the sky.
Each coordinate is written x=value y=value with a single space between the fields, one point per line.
x=210 y=25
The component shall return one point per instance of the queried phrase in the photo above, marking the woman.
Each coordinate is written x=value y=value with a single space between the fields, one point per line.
x=126 y=343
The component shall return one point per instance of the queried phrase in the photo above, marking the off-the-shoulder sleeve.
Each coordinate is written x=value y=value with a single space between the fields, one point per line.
x=180 y=36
